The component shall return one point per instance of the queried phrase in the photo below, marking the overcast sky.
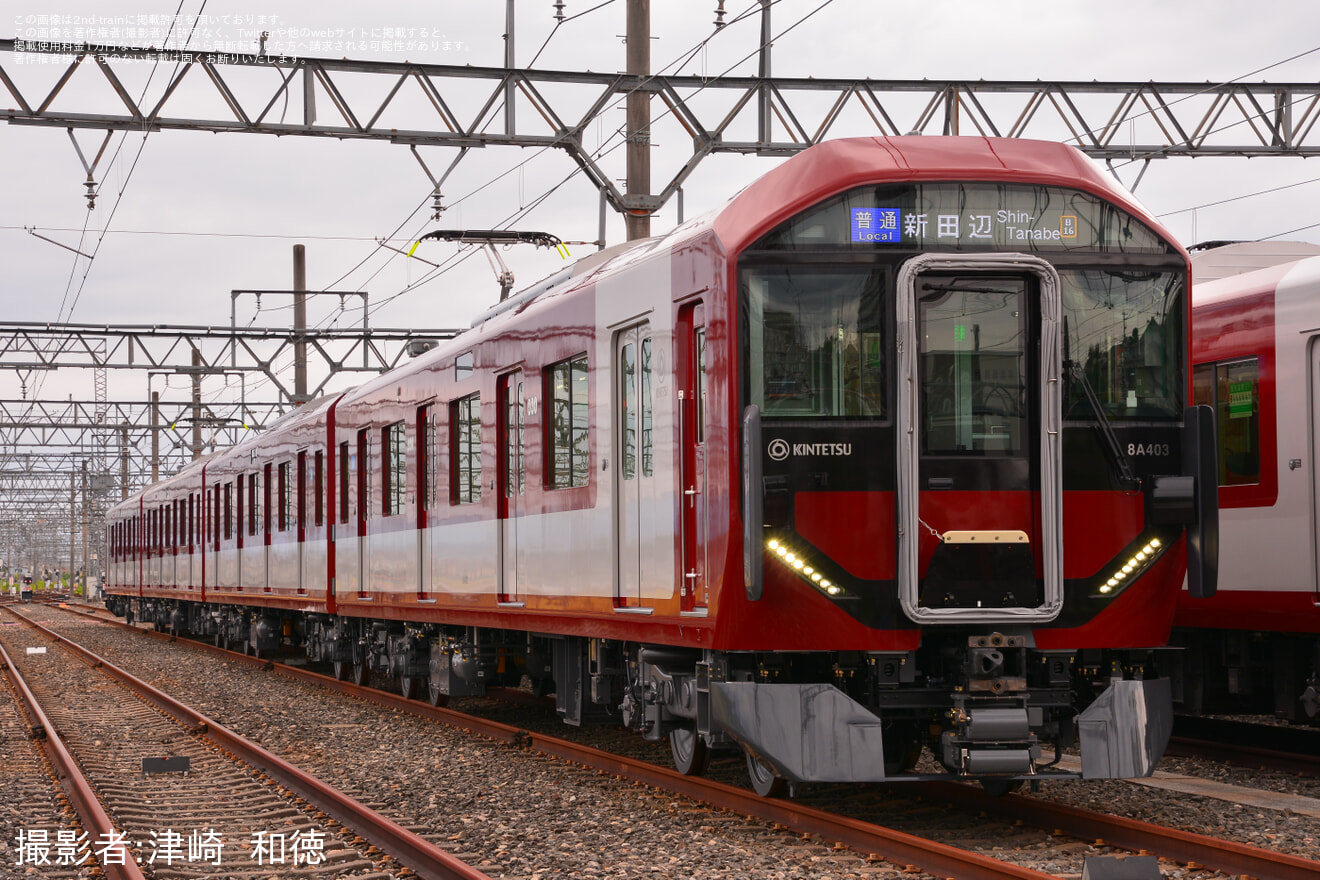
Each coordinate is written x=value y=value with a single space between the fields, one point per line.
x=187 y=217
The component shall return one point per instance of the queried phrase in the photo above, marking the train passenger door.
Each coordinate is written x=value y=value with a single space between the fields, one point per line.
x=635 y=483
x=513 y=488
x=979 y=478
x=692 y=433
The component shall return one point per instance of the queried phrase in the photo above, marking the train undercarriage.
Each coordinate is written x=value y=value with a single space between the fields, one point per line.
x=1243 y=672
x=986 y=705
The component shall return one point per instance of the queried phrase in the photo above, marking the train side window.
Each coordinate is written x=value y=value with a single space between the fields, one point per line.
x=429 y=451
x=567 y=446
x=254 y=504
x=466 y=418
x=1233 y=389
x=318 y=487
x=286 y=496
x=395 y=470
x=265 y=503
x=343 y=482
x=300 y=505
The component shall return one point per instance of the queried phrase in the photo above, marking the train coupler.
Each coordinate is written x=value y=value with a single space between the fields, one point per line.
x=990 y=740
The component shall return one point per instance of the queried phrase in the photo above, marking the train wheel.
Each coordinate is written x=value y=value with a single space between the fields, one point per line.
x=359 y=675
x=221 y=641
x=410 y=687
x=1000 y=787
x=436 y=696
x=764 y=781
x=341 y=670
x=691 y=755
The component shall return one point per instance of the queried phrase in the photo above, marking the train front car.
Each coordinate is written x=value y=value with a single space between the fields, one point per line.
x=967 y=501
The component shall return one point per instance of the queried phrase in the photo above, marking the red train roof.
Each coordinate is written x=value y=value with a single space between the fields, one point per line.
x=835 y=166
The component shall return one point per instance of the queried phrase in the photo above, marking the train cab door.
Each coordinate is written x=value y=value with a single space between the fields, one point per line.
x=692 y=433
x=513 y=486
x=980 y=495
x=635 y=483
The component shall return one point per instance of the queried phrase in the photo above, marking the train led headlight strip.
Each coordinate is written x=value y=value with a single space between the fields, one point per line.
x=1133 y=567
x=799 y=566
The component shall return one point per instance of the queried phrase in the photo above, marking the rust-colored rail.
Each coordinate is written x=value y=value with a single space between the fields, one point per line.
x=412 y=850
x=85 y=803
x=1183 y=846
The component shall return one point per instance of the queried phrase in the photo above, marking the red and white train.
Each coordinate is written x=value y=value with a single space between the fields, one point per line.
x=892 y=451
x=1255 y=647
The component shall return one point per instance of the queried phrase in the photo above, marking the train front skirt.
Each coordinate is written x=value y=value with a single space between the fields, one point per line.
x=816 y=733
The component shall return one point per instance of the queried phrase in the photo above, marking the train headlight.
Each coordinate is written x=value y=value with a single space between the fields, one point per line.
x=797 y=563
x=1132 y=568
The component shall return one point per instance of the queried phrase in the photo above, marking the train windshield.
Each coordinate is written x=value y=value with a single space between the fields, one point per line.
x=817 y=345
x=1124 y=330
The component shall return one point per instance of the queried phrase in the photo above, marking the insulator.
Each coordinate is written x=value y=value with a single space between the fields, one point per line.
x=559 y=10
x=719 y=14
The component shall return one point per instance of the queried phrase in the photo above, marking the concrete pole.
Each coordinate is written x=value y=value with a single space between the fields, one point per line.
x=155 y=436
x=73 y=526
x=197 y=404
x=123 y=462
x=638 y=127
x=85 y=507
x=299 y=325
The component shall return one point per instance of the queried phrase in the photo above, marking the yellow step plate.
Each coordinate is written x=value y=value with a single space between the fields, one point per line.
x=986 y=536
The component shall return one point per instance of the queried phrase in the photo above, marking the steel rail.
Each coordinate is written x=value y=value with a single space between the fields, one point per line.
x=1285 y=762
x=90 y=812
x=1183 y=846
x=426 y=859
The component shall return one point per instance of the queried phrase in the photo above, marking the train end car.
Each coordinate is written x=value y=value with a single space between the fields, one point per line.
x=1255 y=647
x=893 y=451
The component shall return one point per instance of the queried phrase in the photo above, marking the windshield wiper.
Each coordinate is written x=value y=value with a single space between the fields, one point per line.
x=1118 y=460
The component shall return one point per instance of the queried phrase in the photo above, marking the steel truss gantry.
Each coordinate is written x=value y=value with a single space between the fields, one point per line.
x=64 y=462
x=419 y=105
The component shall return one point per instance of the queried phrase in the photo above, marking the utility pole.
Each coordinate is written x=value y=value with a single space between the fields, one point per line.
x=73 y=526
x=155 y=436
x=196 y=404
x=299 y=325
x=86 y=564
x=123 y=461
x=638 y=128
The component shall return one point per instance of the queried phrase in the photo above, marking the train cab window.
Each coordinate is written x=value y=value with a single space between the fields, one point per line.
x=466 y=418
x=568 y=424
x=973 y=373
x=1233 y=389
x=1123 y=334
x=396 y=468
x=815 y=341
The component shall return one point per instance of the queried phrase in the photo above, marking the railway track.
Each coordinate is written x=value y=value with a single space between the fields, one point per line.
x=1276 y=747
x=181 y=795
x=1053 y=829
